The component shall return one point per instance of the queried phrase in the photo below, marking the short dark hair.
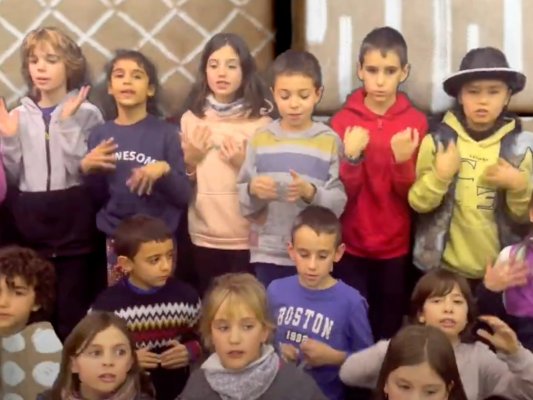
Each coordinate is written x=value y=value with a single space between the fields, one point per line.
x=384 y=39
x=294 y=62
x=37 y=272
x=152 y=104
x=320 y=220
x=440 y=282
x=136 y=230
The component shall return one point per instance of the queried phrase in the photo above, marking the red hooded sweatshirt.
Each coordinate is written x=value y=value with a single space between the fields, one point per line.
x=377 y=220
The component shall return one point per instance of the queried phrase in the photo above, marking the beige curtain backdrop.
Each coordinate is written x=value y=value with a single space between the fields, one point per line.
x=171 y=32
x=438 y=34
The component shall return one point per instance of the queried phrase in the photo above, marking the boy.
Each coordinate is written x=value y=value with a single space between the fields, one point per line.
x=474 y=171
x=381 y=131
x=161 y=312
x=320 y=320
x=31 y=351
x=291 y=163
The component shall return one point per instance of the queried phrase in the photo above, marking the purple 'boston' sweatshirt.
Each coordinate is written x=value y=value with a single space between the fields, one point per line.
x=336 y=316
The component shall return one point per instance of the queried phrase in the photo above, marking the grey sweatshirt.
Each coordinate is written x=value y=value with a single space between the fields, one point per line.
x=314 y=155
x=483 y=372
x=27 y=162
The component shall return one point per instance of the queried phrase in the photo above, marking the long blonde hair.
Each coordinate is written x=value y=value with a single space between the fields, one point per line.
x=67 y=49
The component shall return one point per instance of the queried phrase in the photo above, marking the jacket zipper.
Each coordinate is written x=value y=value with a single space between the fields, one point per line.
x=48 y=161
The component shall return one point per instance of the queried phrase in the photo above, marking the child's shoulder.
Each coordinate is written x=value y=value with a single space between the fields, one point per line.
x=283 y=284
x=348 y=294
x=181 y=290
x=197 y=388
x=293 y=383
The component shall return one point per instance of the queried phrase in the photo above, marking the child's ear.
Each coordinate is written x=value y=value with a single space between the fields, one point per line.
x=360 y=71
x=319 y=93
x=125 y=263
x=151 y=91
x=292 y=252
x=36 y=307
x=405 y=72
x=339 y=252
x=421 y=318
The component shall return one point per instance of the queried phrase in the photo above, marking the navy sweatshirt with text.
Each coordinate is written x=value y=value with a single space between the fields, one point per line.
x=140 y=144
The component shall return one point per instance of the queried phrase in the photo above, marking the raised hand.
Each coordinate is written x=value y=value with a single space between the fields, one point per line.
x=506 y=274
x=143 y=179
x=196 y=147
x=355 y=141
x=263 y=187
x=232 y=152
x=299 y=188
x=504 y=176
x=503 y=339
x=73 y=103
x=9 y=123
x=447 y=161
x=101 y=158
x=404 y=144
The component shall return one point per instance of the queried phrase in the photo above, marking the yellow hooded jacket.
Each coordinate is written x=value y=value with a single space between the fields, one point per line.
x=473 y=237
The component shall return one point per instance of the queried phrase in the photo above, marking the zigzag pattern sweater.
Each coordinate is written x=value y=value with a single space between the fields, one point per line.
x=156 y=318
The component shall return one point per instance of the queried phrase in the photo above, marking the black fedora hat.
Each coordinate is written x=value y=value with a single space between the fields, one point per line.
x=484 y=63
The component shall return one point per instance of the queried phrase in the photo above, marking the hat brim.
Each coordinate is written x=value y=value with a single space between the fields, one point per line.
x=515 y=79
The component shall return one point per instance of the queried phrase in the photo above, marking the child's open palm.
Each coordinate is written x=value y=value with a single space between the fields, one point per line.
x=9 y=122
x=404 y=144
x=503 y=339
x=447 y=161
x=355 y=141
x=143 y=179
x=196 y=147
x=73 y=103
x=101 y=158
x=504 y=176
x=232 y=152
x=506 y=274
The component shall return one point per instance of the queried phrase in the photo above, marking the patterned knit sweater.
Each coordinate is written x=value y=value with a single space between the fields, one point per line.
x=155 y=318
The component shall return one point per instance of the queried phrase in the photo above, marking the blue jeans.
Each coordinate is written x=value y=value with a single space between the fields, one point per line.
x=266 y=272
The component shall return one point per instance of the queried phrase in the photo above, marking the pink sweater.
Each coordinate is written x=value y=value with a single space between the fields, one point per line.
x=215 y=220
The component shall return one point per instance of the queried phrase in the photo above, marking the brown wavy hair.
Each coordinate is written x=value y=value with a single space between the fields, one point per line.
x=67 y=49
x=37 y=272
x=416 y=344
x=79 y=339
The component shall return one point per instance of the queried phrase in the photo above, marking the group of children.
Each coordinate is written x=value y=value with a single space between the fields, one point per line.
x=321 y=215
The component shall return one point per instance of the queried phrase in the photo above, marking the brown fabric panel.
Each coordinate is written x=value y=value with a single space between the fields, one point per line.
x=135 y=24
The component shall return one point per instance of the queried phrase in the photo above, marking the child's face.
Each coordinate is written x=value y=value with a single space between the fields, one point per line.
x=237 y=335
x=381 y=76
x=17 y=302
x=224 y=74
x=296 y=97
x=104 y=364
x=483 y=101
x=449 y=313
x=151 y=266
x=129 y=84
x=314 y=255
x=415 y=382
x=47 y=70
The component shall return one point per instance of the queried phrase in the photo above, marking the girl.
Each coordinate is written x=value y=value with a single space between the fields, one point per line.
x=235 y=323
x=419 y=363
x=444 y=300
x=472 y=187
x=43 y=141
x=99 y=362
x=226 y=106
x=507 y=288
x=135 y=164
